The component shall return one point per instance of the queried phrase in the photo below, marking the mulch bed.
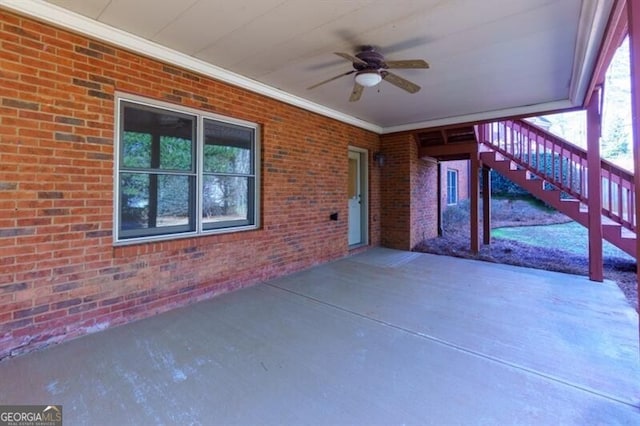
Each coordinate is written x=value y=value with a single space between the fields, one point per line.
x=456 y=238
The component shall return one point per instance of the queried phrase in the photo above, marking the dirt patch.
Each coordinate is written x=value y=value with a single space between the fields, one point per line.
x=455 y=242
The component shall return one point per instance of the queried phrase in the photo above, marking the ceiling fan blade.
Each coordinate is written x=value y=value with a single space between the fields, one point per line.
x=400 y=82
x=351 y=58
x=331 y=79
x=356 y=93
x=407 y=63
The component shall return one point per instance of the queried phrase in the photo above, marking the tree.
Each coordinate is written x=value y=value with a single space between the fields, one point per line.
x=225 y=195
x=615 y=141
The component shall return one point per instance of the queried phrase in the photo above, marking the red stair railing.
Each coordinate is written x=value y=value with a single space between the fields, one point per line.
x=562 y=164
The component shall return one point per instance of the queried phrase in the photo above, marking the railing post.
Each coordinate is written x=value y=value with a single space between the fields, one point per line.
x=513 y=151
x=594 y=187
x=504 y=135
x=561 y=166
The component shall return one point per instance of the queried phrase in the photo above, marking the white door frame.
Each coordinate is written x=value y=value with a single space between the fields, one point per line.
x=364 y=195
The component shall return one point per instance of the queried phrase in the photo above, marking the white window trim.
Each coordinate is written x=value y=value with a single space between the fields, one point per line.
x=200 y=117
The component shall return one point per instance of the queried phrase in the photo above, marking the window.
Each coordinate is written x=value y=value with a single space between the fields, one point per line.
x=228 y=177
x=183 y=173
x=452 y=187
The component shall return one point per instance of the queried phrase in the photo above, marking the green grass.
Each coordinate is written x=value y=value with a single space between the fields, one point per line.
x=571 y=237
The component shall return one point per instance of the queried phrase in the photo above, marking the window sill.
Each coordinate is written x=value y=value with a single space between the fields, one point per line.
x=182 y=236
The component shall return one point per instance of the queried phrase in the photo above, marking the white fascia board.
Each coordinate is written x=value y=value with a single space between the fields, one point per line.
x=61 y=17
x=483 y=116
x=592 y=25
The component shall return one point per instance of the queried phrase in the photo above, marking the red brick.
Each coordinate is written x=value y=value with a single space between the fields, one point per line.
x=49 y=316
x=30 y=312
x=59 y=153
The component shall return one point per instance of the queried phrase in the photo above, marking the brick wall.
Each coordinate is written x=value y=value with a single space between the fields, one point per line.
x=424 y=199
x=462 y=167
x=60 y=275
x=395 y=190
x=408 y=193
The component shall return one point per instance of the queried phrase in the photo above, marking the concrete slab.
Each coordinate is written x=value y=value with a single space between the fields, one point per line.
x=363 y=340
x=558 y=325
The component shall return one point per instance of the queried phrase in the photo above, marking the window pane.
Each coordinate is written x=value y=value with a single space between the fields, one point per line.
x=227 y=148
x=149 y=202
x=134 y=201
x=136 y=150
x=174 y=199
x=452 y=187
x=353 y=178
x=226 y=201
x=157 y=139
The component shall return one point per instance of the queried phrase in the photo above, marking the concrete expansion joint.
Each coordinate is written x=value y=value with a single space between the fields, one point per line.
x=454 y=346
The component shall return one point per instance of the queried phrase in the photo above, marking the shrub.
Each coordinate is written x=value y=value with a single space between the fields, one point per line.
x=502 y=186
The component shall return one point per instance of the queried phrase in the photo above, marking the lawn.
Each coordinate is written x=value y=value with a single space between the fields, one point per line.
x=570 y=237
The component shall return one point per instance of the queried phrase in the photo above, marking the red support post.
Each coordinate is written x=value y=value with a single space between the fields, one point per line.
x=474 y=188
x=594 y=188
x=633 y=16
x=439 y=202
x=486 y=205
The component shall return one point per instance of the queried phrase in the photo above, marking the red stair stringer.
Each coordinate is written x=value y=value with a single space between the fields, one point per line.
x=531 y=181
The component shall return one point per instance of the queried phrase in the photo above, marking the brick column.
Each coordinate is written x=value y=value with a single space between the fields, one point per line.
x=408 y=194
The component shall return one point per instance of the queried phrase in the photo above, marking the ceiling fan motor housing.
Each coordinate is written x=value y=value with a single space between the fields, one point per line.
x=374 y=60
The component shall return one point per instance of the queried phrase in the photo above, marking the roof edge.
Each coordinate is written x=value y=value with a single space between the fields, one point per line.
x=594 y=18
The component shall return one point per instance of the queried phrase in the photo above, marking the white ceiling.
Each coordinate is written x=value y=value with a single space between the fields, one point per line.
x=488 y=58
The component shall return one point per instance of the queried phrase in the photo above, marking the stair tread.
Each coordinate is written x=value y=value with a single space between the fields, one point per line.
x=627 y=233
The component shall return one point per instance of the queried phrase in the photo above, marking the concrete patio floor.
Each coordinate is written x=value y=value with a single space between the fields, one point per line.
x=382 y=337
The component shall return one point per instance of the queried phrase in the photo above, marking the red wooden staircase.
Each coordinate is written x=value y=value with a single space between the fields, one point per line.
x=555 y=171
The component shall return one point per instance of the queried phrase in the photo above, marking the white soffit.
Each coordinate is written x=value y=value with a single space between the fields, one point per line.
x=465 y=83
x=63 y=18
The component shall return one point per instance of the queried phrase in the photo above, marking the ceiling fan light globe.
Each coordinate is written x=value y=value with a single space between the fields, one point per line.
x=368 y=78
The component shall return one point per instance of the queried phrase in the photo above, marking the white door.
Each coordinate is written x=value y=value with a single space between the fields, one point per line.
x=355 y=199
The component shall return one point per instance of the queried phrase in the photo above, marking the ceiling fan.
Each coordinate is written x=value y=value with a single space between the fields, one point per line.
x=371 y=68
